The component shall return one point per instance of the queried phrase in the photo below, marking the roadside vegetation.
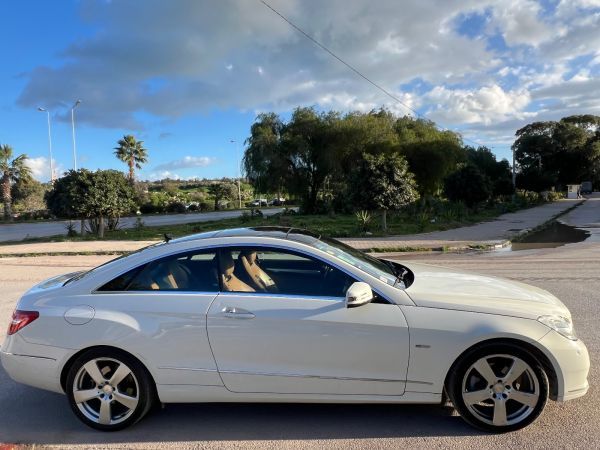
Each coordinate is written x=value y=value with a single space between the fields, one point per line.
x=349 y=175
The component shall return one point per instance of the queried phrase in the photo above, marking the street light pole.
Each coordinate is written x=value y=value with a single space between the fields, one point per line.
x=237 y=160
x=73 y=128
x=49 y=143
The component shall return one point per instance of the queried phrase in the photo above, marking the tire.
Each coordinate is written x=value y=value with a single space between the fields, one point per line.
x=498 y=387
x=108 y=389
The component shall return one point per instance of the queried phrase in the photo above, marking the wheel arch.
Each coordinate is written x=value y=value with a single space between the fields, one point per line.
x=538 y=353
x=66 y=367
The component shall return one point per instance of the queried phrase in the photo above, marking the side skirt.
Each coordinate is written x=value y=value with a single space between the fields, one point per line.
x=177 y=393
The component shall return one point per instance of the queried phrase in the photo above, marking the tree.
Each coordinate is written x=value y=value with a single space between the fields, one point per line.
x=553 y=154
x=382 y=182
x=222 y=191
x=309 y=147
x=431 y=153
x=431 y=162
x=312 y=154
x=131 y=152
x=28 y=194
x=12 y=170
x=497 y=172
x=467 y=184
x=100 y=195
x=264 y=162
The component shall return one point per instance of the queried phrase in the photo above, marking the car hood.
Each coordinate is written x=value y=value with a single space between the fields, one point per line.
x=440 y=287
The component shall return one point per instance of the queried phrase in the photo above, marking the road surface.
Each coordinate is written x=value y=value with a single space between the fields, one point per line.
x=28 y=415
x=32 y=416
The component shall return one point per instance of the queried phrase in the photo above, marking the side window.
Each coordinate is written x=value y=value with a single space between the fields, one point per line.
x=190 y=271
x=258 y=269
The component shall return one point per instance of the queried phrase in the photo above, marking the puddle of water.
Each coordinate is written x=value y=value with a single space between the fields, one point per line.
x=554 y=235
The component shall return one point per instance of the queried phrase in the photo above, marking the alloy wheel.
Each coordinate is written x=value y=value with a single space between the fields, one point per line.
x=500 y=390
x=106 y=391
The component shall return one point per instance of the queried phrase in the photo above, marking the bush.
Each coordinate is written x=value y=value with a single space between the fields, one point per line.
x=364 y=220
x=150 y=208
x=207 y=206
x=246 y=217
x=553 y=196
x=194 y=207
x=526 y=198
x=176 y=207
x=288 y=212
x=71 y=232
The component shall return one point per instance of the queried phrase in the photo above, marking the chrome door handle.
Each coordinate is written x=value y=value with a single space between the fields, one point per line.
x=237 y=313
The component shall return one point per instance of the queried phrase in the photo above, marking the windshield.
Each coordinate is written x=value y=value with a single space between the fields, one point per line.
x=373 y=266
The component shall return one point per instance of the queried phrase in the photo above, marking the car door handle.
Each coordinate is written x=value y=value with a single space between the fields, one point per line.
x=237 y=313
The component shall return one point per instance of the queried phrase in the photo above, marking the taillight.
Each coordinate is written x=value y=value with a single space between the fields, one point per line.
x=21 y=319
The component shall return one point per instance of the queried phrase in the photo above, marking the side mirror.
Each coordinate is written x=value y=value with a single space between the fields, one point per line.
x=359 y=293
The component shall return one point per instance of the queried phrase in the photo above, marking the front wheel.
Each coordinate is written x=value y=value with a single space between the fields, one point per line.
x=108 y=389
x=498 y=388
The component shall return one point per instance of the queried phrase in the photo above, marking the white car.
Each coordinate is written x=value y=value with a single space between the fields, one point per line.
x=280 y=315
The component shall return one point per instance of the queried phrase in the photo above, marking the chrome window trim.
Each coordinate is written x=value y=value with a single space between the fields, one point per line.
x=278 y=295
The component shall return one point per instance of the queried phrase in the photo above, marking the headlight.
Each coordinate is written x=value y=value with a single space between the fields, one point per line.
x=560 y=324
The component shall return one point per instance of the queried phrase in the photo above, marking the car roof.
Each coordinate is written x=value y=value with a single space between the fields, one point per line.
x=286 y=233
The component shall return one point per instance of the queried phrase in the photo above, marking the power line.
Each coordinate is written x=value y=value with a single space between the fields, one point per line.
x=352 y=68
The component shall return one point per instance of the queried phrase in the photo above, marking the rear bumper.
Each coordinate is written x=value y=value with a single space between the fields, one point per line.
x=35 y=365
x=571 y=363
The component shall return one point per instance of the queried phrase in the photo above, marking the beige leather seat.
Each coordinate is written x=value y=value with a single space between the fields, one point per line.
x=260 y=279
x=229 y=281
x=178 y=276
x=170 y=275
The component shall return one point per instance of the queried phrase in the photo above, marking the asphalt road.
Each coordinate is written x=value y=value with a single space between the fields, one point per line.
x=28 y=415
x=20 y=231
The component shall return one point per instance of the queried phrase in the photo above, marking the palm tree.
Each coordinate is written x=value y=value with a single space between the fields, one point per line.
x=131 y=152
x=11 y=171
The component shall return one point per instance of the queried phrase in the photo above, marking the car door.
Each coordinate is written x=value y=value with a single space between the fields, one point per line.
x=298 y=336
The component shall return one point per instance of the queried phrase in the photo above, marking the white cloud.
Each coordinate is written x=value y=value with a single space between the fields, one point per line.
x=239 y=55
x=484 y=105
x=161 y=175
x=40 y=168
x=520 y=23
x=271 y=59
x=186 y=162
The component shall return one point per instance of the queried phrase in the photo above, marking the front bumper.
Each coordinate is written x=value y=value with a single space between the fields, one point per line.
x=35 y=365
x=571 y=363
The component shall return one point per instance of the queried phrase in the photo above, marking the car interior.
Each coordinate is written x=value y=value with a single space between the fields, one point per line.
x=237 y=270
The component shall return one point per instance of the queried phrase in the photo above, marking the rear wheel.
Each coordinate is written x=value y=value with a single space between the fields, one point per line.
x=108 y=389
x=498 y=388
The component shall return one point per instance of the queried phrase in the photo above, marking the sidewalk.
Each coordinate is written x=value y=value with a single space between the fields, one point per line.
x=495 y=233
x=492 y=234
x=78 y=247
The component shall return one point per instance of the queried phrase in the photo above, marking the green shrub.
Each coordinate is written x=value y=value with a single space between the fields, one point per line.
x=364 y=220
x=176 y=207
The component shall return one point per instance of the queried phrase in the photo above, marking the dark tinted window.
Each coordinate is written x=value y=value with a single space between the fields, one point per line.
x=122 y=282
x=191 y=271
x=278 y=271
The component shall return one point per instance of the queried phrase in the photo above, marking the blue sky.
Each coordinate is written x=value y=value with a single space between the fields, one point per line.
x=187 y=76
